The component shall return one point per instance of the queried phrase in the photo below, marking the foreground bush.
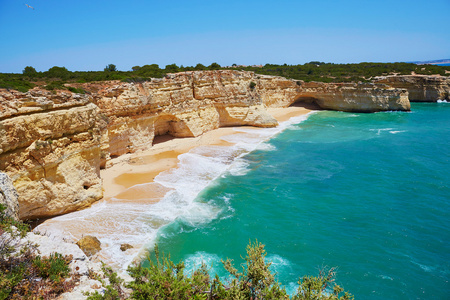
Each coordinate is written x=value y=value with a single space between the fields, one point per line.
x=25 y=275
x=164 y=279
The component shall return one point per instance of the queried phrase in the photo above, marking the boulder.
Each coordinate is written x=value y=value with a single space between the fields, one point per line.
x=9 y=197
x=89 y=244
x=125 y=247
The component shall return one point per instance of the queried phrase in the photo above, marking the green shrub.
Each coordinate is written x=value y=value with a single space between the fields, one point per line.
x=173 y=68
x=199 y=67
x=11 y=231
x=55 y=267
x=163 y=279
x=113 y=290
x=256 y=281
x=23 y=275
x=60 y=73
x=16 y=82
x=55 y=85
x=312 y=71
x=76 y=90
x=311 y=287
x=214 y=66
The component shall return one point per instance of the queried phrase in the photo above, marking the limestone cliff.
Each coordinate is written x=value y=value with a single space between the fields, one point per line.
x=50 y=147
x=53 y=144
x=421 y=88
x=183 y=105
x=355 y=97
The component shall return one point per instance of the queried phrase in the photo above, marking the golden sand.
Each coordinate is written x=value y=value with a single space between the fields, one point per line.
x=129 y=188
x=142 y=167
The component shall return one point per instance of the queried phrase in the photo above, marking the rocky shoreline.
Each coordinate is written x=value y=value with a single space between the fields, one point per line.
x=54 y=144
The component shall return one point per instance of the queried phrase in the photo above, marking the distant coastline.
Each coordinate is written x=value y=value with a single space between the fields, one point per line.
x=438 y=62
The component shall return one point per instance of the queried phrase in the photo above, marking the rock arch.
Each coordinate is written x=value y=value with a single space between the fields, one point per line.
x=306 y=100
x=167 y=124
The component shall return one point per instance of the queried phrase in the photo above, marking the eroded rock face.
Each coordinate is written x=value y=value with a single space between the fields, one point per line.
x=9 y=197
x=51 y=153
x=354 y=97
x=185 y=104
x=53 y=145
x=277 y=91
x=421 y=88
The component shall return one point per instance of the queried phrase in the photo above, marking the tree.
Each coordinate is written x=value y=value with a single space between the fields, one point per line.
x=110 y=68
x=152 y=70
x=29 y=70
x=200 y=67
x=173 y=68
x=135 y=68
x=214 y=66
x=58 y=72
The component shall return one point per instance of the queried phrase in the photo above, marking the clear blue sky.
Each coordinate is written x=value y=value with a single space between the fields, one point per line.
x=89 y=34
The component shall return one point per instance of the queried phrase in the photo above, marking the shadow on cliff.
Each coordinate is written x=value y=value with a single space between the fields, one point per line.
x=162 y=138
x=307 y=105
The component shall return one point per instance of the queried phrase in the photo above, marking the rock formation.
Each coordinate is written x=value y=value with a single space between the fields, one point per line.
x=9 y=197
x=125 y=247
x=351 y=97
x=89 y=244
x=80 y=265
x=50 y=147
x=183 y=105
x=355 y=97
x=421 y=88
x=53 y=144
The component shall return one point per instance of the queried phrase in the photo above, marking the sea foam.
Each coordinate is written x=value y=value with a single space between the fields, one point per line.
x=119 y=221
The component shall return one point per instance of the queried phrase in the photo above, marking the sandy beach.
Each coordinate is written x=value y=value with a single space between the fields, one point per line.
x=142 y=167
x=135 y=206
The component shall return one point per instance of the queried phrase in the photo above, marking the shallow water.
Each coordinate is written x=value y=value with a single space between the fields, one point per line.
x=367 y=193
x=135 y=215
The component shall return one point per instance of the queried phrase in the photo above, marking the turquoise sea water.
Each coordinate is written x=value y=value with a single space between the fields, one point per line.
x=368 y=193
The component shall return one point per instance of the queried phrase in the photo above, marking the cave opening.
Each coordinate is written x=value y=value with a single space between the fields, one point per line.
x=307 y=102
x=165 y=127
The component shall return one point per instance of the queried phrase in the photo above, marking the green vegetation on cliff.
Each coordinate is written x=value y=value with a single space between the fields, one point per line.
x=23 y=273
x=26 y=275
x=163 y=279
x=329 y=72
x=56 y=77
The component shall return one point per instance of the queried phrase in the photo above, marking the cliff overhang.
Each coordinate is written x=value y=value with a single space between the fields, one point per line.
x=53 y=144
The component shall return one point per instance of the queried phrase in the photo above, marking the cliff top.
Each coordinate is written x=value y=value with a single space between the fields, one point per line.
x=57 y=77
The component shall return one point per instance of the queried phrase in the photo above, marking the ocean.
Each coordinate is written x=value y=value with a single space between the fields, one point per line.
x=366 y=193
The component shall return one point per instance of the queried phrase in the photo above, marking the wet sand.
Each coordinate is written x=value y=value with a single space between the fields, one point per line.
x=129 y=189
x=142 y=167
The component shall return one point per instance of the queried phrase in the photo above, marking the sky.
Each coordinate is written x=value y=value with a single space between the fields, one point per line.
x=84 y=35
